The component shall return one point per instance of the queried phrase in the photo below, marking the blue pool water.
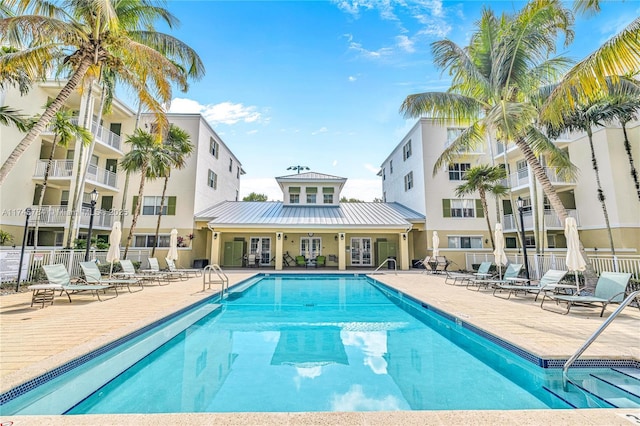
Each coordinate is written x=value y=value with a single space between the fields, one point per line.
x=311 y=344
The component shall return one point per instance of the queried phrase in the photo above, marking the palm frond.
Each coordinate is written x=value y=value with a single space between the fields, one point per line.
x=442 y=107
x=471 y=138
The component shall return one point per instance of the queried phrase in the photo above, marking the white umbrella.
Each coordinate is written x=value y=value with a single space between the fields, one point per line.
x=500 y=256
x=436 y=243
x=575 y=261
x=113 y=255
x=173 y=245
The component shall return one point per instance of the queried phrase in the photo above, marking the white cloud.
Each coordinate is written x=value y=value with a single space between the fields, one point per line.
x=267 y=186
x=405 y=43
x=356 y=400
x=320 y=130
x=352 y=78
x=252 y=132
x=224 y=112
x=334 y=163
x=371 y=54
x=362 y=189
x=373 y=169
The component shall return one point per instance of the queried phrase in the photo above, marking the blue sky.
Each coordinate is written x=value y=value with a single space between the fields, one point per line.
x=320 y=83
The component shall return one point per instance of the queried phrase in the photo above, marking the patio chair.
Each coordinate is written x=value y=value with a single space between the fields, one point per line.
x=59 y=280
x=511 y=273
x=301 y=261
x=171 y=264
x=610 y=288
x=482 y=272
x=252 y=260
x=129 y=271
x=154 y=268
x=548 y=282
x=321 y=261
x=92 y=275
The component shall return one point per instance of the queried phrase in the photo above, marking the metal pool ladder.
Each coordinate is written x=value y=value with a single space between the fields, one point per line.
x=595 y=335
x=387 y=260
x=221 y=278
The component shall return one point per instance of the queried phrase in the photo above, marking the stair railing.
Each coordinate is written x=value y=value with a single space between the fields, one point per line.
x=387 y=260
x=594 y=336
x=221 y=278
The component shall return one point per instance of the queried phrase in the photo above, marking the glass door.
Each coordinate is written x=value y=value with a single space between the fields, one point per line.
x=310 y=247
x=361 y=251
x=261 y=247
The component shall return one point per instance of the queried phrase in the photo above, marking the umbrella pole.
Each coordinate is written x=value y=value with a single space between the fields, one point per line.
x=111 y=269
x=575 y=274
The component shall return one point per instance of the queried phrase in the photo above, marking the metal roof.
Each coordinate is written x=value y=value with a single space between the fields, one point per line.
x=310 y=176
x=275 y=213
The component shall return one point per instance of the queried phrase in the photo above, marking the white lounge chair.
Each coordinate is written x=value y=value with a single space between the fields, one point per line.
x=154 y=268
x=59 y=280
x=188 y=271
x=92 y=275
x=548 y=282
x=458 y=278
x=511 y=273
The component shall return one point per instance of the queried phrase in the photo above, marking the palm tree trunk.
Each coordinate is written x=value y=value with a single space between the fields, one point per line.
x=538 y=171
x=136 y=213
x=44 y=119
x=483 y=200
x=42 y=191
x=627 y=147
x=164 y=191
x=601 y=197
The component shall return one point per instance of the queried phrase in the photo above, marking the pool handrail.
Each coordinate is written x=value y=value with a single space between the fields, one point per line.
x=387 y=260
x=222 y=278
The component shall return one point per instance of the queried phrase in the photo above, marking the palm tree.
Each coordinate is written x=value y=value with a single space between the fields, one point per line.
x=140 y=159
x=13 y=77
x=64 y=130
x=484 y=179
x=79 y=35
x=177 y=146
x=506 y=63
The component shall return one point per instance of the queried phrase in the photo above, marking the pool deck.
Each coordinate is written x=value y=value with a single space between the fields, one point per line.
x=35 y=340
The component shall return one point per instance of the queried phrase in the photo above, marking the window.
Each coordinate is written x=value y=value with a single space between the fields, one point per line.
x=521 y=166
x=231 y=164
x=294 y=194
x=462 y=208
x=391 y=167
x=311 y=195
x=384 y=174
x=452 y=135
x=238 y=172
x=151 y=205
x=464 y=242
x=408 y=181
x=530 y=240
x=510 y=242
x=457 y=171
x=212 y=180
x=214 y=147
x=327 y=195
x=150 y=241
x=406 y=150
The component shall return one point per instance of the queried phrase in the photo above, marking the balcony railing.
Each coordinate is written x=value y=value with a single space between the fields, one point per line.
x=59 y=168
x=64 y=169
x=511 y=223
x=522 y=178
x=57 y=216
x=103 y=135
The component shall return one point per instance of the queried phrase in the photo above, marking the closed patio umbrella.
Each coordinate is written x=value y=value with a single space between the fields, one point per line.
x=575 y=262
x=500 y=256
x=436 y=242
x=113 y=255
x=173 y=245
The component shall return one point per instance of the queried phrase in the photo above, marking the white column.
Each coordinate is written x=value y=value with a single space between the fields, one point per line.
x=342 y=256
x=279 y=250
x=404 y=252
x=215 y=247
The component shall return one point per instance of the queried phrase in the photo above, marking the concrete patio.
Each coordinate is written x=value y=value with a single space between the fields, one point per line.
x=35 y=340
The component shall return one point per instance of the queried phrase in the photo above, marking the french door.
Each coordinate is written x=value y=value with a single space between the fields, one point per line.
x=361 y=251
x=261 y=246
x=310 y=247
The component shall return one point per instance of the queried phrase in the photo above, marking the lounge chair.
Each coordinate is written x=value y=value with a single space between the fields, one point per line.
x=154 y=268
x=188 y=271
x=129 y=271
x=511 y=273
x=321 y=261
x=59 y=280
x=481 y=273
x=252 y=260
x=301 y=261
x=550 y=281
x=92 y=275
x=610 y=288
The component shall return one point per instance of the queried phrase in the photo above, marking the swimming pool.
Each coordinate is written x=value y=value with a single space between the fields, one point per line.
x=307 y=343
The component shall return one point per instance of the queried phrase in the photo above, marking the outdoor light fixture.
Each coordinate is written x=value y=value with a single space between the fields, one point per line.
x=27 y=212
x=279 y=236
x=404 y=237
x=341 y=236
x=215 y=235
x=298 y=168
x=285 y=238
x=520 y=203
x=94 y=198
x=335 y=238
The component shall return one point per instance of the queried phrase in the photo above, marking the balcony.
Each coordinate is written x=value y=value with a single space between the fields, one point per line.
x=64 y=169
x=511 y=223
x=521 y=178
x=56 y=216
x=102 y=134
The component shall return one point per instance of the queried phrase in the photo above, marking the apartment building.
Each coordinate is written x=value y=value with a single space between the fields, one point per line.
x=212 y=174
x=408 y=177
